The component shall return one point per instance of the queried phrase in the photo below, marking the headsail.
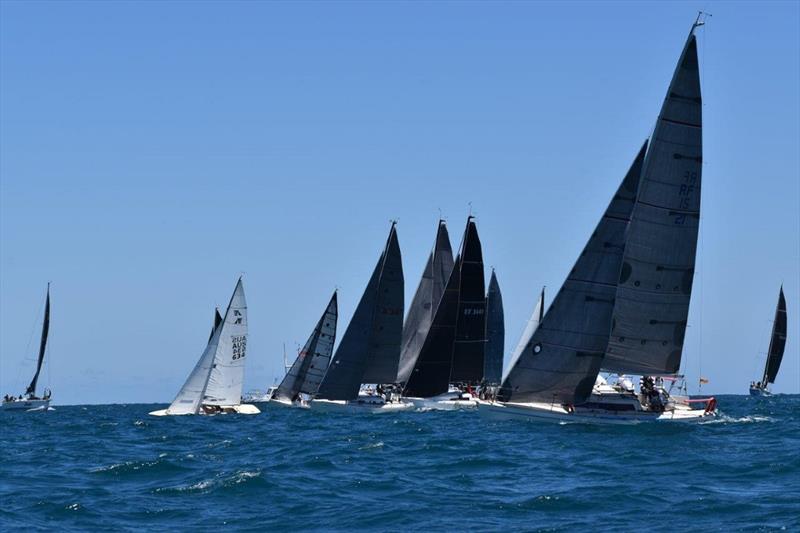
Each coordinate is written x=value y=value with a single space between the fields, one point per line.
x=527 y=333
x=655 y=284
x=372 y=337
x=312 y=361
x=561 y=360
x=495 y=334
x=777 y=342
x=426 y=300
x=227 y=372
x=457 y=333
x=42 y=344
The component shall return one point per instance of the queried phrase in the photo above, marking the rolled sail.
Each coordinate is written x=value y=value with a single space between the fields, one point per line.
x=655 y=284
x=561 y=360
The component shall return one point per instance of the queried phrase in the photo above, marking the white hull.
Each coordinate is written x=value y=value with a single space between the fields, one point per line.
x=450 y=401
x=241 y=409
x=25 y=405
x=358 y=406
x=280 y=402
x=546 y=412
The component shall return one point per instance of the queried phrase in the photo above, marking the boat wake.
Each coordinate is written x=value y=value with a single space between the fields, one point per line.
x=749 y=419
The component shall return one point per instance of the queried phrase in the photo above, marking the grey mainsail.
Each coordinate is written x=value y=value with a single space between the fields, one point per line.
x=527 y=333
x=42 y=344
x=308 y=369
x=495 y=334
x=655 y=284
x=372 y=338
x=425 y=302
x=457 y=333
x=777 y=342
x=562 y=358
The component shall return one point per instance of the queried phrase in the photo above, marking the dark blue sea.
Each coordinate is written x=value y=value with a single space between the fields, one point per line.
x=114 y=467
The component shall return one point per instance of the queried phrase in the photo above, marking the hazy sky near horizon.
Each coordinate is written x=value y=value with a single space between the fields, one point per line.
x=152 y=152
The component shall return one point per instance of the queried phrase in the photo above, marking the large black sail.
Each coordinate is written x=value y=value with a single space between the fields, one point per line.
x=42 y=344
x=495 y=333
x=309 y=368
x=363 y=339
x=777 y=342
x=426 y=300
x=470 y=340
x=655 y=284
x=387 y=323
x=562 y=358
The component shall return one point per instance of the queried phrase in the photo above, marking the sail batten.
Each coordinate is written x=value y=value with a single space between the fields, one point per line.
x=42 y=345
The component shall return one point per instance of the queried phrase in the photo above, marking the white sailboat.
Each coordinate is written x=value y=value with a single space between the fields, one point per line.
x=624 y=306
x=30 y=401
x=215 y=384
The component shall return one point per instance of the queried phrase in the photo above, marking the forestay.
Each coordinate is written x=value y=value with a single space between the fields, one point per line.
x=655 y=285
x=562 y=358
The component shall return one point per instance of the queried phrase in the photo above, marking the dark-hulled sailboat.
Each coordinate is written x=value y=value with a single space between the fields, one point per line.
x=453 y=350
x=305 y=375
x=369 y=352
x=30 y=401
x=624 y=305
x=777 y=344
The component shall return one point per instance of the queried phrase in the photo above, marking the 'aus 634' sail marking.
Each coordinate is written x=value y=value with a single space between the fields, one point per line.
x=239 y=345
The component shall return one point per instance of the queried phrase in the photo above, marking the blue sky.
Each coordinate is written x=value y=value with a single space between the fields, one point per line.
x=152 y=152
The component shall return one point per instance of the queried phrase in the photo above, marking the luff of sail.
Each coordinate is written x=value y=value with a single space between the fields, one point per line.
x=527 y=333
x=42 y=344
x=655 y=284
x=561 y=360
x=356 y=350
x=226 y=378
x=495 y=333
x=312 y=361
x=777 y=342
x=470 y=339
x=425 y=302
x=433 y=371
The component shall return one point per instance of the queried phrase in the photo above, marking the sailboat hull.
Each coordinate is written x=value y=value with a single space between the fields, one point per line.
x=281 y=403
x=241 y=409
x=450 y=401
x=359 y=406
x=557 y=413
x=25 y=405
x=756 y=391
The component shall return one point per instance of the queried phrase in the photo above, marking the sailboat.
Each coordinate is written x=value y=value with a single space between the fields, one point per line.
x=450 y=365
x=304 y=376
x=369 y=352
x=624 y=305
x=777 y=343
x=495 y=336
x=530 y=327
x=30 y=401
x=215 y=384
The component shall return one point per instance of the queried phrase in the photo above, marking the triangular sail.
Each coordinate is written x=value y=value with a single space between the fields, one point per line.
x=655 y=284
x=42 y=344
x=470 y=340
x=457 y=333
x=777 y=342
x=363 y=342
x=495 y=334
x=312 y=361
x=527 y=333
x=426 y=300
x=561 y=360
x=227 y=372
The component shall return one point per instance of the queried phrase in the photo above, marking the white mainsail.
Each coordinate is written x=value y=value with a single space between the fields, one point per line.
x=217 y=376
x=527 y=333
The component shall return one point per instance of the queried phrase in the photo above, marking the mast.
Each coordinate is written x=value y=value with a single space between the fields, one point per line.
x=777 y=341
x=42 y=344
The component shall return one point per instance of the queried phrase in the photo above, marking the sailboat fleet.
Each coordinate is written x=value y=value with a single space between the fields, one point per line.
x=622 y=311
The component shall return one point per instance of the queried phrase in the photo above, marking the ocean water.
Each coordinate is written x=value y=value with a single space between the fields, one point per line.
x=114 y=467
